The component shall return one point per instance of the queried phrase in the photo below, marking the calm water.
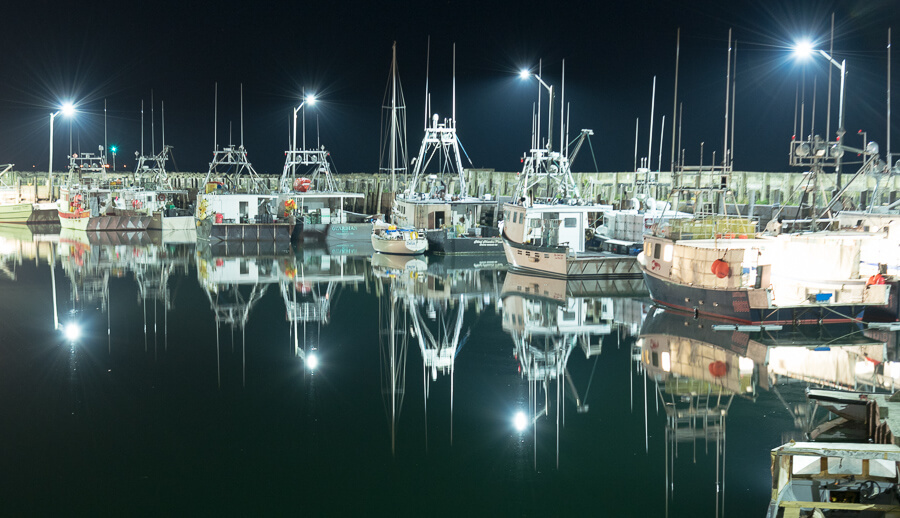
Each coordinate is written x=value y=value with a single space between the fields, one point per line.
x=297 y=381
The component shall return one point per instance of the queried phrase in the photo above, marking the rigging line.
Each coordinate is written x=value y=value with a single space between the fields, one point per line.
x=464 y=151
x=593 y=370
x=594 y=158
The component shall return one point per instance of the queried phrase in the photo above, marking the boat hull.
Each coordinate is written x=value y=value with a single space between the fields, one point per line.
x=442 y=242
x=27 y=212
x=734 y=305
x=399 y=246
x=555 y=261
x=246 y=232
x=335 y=232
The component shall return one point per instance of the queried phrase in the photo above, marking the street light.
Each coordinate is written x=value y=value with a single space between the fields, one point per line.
x=310 y=100
x=113 y=149
x=525 y=74
x=804 y=49
x=67 y=110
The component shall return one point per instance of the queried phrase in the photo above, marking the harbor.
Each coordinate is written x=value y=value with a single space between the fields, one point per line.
x=457 y=259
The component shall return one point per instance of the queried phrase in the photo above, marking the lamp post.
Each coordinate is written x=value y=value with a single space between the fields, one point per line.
x=67 y=110
x=804 y=50
x=525 y=74
x=113 y=149
x=310 y=100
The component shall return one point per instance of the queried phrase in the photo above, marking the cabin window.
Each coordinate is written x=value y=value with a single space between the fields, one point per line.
x=570 y=223
x=667 y=253
x=243 y=208
x=656 y=248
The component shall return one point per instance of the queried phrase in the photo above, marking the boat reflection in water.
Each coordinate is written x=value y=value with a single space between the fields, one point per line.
x=428 y=302
x=90 y=259
x=700 y=365
x=547 y=319
x=235 y=281
x=311 y=281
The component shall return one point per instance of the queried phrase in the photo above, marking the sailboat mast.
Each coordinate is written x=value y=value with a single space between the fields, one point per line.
x=652 y=110
x=393 y=156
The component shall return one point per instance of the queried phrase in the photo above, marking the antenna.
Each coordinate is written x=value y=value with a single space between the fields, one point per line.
x=680 y=120
x=242 y=117
x=540 y=71
x=733 y=97
x=216 y=120
x=652 y=109
x=727 y=99
x=562 y=111
x=454 y=85
x=636 y=125
x=142 y=127
x=105 y=144
x=830 y=71
x=162 y=105
x=675 y=100
x=796 y=105
x=662 y=134
x=152 y=127
x=889 y=98
x=427 y=68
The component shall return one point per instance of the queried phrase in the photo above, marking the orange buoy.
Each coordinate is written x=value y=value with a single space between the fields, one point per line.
x=875 y=279
x=302 y=184
x=718 y=369
x=720 y=268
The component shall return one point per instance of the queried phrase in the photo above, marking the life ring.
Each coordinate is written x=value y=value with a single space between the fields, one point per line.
x=161 y=197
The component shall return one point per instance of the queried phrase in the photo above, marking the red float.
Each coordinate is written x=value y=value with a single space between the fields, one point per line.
x=875 y=279
x=302 y=184
x=718 y=369
x=720 y=268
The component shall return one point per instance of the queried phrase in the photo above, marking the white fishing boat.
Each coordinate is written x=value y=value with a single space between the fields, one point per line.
x=320 y=207
x=15 y=207
x=389 y=239
x=86 y=201
x=437 y=198
x=236 y=205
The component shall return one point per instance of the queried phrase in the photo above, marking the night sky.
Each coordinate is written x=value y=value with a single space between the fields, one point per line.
x=119 y=51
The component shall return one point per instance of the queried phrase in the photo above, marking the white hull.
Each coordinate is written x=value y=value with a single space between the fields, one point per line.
x=74 y=221
x=408 y=243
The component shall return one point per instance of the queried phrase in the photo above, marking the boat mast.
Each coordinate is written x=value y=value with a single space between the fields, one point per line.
x=727 y=100
x=675 y=100
x=393 y=152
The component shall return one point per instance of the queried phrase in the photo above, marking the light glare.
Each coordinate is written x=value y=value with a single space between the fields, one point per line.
x=73 y=332
x=67 y=109
x=803 y=49
x=310 y=99
x=524 y=73
x=520 y=421
x=312 y=361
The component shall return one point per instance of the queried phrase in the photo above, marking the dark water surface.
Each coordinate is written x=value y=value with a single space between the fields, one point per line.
x=148 y=413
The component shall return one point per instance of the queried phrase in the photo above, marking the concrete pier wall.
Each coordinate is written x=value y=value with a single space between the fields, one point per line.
x=758 y=188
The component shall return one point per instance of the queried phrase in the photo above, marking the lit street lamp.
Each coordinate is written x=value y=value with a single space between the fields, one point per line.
x=68 y=110
x=310 y=100
x=803 y=50
x=525 y=74
x=113 y=150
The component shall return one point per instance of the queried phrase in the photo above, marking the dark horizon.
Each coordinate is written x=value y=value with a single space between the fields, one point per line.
x=342 y=53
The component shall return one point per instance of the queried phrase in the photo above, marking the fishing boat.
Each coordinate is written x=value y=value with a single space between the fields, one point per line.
x=546 y=227
x=798 y=278
x=228 y=211
x=16 y=208
x=151 y=194
x=836 y=477
x=321 y=208
x=437 y=198
x=389 y=239
x=86 y=202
